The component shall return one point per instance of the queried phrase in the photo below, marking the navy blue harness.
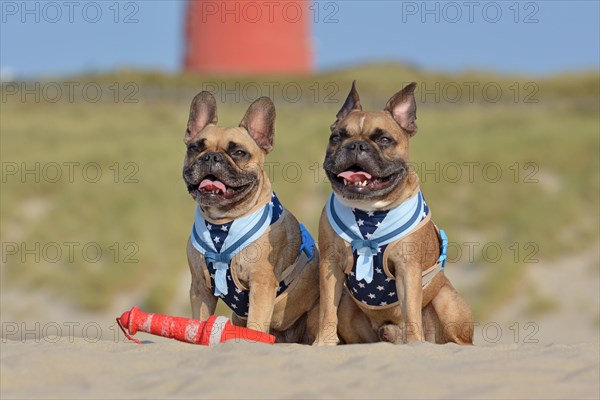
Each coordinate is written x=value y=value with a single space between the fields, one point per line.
x=238 y=299
x=381 y=291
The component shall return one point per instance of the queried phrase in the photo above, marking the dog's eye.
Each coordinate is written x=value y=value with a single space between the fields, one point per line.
x=384 y=140
x=335 y=138
x=193 y=149
x=239 y=153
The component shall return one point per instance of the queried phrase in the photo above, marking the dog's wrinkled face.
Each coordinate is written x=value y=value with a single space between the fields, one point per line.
x=223 y=166
x=367 y=156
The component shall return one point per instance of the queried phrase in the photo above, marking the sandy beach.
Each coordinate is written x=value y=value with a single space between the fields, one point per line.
x=53 y=351
x=76 y=368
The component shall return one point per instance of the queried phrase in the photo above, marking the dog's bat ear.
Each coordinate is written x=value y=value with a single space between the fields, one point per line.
x=403 y=108
x=203 y=111
x=352 y=103
x=259 y=121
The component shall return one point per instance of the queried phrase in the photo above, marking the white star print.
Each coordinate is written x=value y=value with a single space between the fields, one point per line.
x=361 y=285
x=378 y=224
x=217 y=239
x=236 y=298
x=280 y=207
x=391 y=294
x=208 y=226
x=383 y=303
x=354 y=290
x=379 y=249
x=378 y=270
x=380 y=288
x=387 y=279
x=368 y=236
x=351 y=273
x=424 y=214
x=212 y=276
x=238 y=291
x=224 y=228
x=370 y=213
x=360 y=222
x=362 y=301
x=371 y=296
x=234 y=306
x=228 y=278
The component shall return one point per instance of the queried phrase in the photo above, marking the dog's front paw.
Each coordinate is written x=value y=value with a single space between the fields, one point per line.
x=321 y=343
x=327 y=341
x=390 y=333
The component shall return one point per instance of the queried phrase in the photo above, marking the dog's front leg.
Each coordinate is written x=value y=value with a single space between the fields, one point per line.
x=202 y=300
x=262 y=301
x=410 y=294
x=331 y=280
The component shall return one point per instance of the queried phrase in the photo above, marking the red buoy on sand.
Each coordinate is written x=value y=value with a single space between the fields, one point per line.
x=215 y=330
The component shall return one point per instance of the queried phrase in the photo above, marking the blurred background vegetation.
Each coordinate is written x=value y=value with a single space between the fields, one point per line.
x=541 y=134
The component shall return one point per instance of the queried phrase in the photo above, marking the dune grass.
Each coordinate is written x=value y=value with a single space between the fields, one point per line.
x=545 y=203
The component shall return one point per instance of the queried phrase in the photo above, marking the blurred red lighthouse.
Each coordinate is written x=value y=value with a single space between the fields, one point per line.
x=240 y=37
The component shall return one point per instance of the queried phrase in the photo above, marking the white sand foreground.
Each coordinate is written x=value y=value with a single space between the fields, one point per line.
x=76 y=368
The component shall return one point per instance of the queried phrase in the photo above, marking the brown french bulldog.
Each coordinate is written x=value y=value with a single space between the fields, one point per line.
x=382 y=257
x=245 y=248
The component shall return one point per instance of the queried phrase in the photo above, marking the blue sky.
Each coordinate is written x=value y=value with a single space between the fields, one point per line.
x=40 y=38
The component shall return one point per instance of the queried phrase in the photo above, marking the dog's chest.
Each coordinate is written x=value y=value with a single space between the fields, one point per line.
x=371 y=234
x=237 y=275
x=381 y=290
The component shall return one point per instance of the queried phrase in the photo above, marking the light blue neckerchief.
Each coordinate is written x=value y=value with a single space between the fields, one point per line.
x=398 y=222
x=242 y=232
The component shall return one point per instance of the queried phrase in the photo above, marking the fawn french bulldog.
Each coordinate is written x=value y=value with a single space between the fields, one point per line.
x=245 y=247
x=382 y=257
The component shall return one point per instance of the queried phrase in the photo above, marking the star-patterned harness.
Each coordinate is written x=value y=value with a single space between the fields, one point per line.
x=374 y=286
x=218 y=262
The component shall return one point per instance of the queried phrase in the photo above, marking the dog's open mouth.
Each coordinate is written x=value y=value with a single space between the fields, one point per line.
x=357 y=179
x=211 y=186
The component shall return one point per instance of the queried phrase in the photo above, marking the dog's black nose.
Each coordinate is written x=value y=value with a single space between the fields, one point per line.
x=213 y=157
x=358 y=146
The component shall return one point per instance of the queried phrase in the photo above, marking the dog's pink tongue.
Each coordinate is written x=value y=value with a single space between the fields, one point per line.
x=355 y=176
x=212 y=185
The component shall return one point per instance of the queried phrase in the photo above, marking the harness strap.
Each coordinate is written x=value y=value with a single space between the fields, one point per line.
x=291 y=272
x=427 y=276
x=305 y=256
x=430 y=273
x=236 y=280
x=221 y=260
x=386 y=253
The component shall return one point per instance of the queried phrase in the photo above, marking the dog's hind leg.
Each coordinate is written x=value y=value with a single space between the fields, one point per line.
x=430 y=324
x=455 y=316
x=353 y=325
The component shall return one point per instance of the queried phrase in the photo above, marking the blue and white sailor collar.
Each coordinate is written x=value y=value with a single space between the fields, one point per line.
x=367 y=231
x=220 y=243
